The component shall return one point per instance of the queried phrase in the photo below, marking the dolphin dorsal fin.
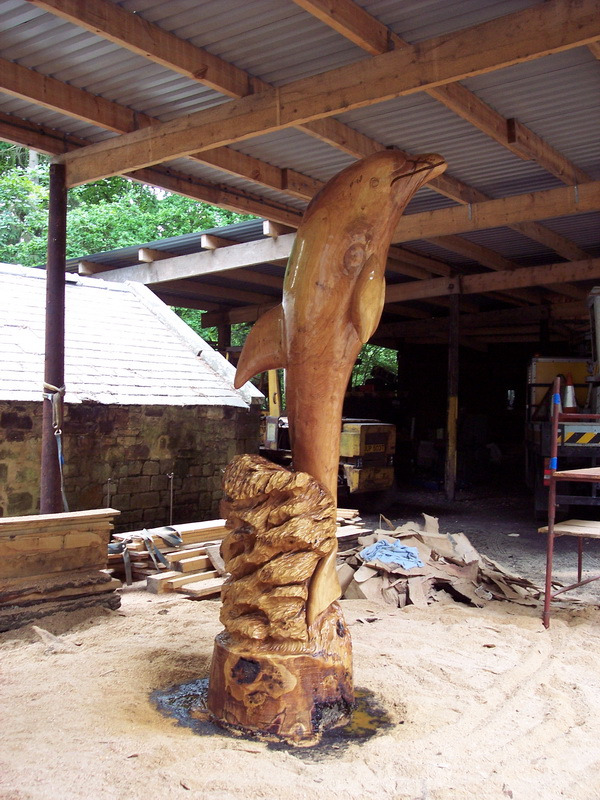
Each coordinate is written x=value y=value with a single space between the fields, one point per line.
x=367 y=300
x=264 y=348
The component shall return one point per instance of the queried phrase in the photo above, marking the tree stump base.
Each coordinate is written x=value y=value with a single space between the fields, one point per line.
x=293 y=697
x=282 y=669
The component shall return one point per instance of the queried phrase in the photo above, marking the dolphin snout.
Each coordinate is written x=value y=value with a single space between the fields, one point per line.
x=431 y=163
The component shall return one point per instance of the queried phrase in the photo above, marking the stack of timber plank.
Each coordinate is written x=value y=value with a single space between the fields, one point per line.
x=192 y=534
x=54 y=562
x=451 y=569
x=197 y=572
x=195 y=568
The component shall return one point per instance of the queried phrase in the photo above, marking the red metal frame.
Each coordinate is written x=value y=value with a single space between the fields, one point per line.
x=554 y=476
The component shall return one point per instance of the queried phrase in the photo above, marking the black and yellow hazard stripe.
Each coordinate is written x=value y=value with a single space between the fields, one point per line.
x=579 y=437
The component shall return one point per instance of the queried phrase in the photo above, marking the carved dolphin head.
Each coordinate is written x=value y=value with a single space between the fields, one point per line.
x=385 y=180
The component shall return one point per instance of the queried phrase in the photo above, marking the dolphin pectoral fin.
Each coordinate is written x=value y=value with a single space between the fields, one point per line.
x=367 y=300
x=264 y=347
x=324 y=587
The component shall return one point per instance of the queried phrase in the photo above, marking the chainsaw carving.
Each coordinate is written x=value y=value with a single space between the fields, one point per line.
x=285 y=655
x=274 y=671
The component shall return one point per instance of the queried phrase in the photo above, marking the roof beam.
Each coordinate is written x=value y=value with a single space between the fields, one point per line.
x=146 y=39
x=550 y=27
x=78 y=103
x=235 y=315
x=356 y=24
x=559 y=311
x=495 y=281
x=208 y=262
x=54 y=142
x=210 y=242
x=518 y=208
x=352 y=21
x=224 y=293
x=24 y=83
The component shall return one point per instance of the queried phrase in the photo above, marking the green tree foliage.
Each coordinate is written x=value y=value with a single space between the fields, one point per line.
x=105 y=215
x=114 y=213
x=193 y=318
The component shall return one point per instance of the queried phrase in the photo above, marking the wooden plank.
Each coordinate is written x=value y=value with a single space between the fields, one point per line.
x=576 y=527
x=354 y=22
x=47 y=521
x=209 y=241
x=205 y=589
x=48 y=92
x=216 y=559
x=550 y=203
x=214 y=291
x=209 y=262
x=543 y=29
x=193 y=564
x=216 y=194
x=194 y=577
x=524 y=142
x=561 y=245
x=148 y=255
x=351 y=21
x=139 y=36
x=169 y=581
x=493 y=281
x=245 y=314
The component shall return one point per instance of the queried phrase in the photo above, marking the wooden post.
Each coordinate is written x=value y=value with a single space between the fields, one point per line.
x=451 y=436
x=223 y=337
x=54 y=364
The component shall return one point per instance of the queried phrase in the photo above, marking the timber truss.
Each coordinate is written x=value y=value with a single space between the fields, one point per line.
x=171 y=97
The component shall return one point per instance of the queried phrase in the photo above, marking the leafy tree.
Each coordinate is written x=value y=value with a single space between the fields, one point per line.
x=105 y=215
x=112 y=213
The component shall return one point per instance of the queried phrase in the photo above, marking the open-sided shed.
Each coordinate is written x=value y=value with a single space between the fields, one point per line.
x=253 y=106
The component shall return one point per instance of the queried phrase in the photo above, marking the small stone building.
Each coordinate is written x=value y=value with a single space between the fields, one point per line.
x=150 y=408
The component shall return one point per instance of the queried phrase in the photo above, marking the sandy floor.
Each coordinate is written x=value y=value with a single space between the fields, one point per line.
x=486 y=704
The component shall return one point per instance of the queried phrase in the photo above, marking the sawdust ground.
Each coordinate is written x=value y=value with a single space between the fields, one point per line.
x=485 y=703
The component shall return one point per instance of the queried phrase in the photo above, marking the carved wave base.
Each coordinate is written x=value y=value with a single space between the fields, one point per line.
x=282 y=669
x=293 y=697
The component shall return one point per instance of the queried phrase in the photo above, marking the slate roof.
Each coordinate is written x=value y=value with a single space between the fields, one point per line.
x=123 y=346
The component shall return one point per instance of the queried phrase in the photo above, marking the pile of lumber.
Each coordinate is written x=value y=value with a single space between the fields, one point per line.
x=195 y=568
x=192 y=534
x=54 y=562
x=452 y=570
x=197 y=572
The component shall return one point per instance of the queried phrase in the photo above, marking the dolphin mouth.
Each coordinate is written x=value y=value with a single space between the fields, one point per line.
x=436 y=166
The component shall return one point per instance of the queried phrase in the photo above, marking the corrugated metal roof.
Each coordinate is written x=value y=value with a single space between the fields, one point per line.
x=107 y=359
x=277 y=41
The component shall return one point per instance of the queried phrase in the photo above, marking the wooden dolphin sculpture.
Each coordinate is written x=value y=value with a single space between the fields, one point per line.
x=333 y=296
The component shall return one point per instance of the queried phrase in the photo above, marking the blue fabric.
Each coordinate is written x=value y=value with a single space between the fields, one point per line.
x=554 y=463
x=392 y=553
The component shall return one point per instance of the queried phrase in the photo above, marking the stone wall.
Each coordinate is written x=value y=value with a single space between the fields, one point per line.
x=128 y=451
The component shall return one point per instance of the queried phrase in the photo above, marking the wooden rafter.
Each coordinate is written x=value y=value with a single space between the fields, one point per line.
x=495 y=281
x=537 y=31
x=356 y=24
x=53 y=94
x=496 y=213
x=53 y=142
x=531 y=314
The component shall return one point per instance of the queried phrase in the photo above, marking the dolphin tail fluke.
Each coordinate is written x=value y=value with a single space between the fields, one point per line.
x=324 y=587
x=367 y=300
x=264 y=347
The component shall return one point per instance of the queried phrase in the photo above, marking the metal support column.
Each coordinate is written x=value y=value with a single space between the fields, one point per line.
x=54 y=364
x=452 y=419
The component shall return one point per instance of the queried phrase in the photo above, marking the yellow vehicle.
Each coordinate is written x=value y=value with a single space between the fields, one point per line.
x=367 y=446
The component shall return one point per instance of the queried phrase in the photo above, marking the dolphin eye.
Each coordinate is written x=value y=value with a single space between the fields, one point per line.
x=354 y=258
